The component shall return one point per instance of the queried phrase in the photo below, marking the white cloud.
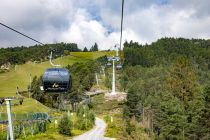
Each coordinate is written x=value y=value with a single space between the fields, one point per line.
x=88 y=21
x=84 y=30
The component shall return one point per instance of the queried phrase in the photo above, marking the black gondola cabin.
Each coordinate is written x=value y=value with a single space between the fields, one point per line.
x=56 y=80
x=119 y=67
x=108 y=64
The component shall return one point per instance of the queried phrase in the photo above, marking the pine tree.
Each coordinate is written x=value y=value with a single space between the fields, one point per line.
x=182 y=84
x=203 y=127
x=85 y=49
x=94 y=48
x=182 y=81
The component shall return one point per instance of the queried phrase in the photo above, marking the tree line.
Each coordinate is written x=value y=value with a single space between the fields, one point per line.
x=93 y=48
x=168 y=88
x=165 y=50
x=21 y=55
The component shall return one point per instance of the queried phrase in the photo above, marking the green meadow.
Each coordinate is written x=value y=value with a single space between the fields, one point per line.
x=20 y=74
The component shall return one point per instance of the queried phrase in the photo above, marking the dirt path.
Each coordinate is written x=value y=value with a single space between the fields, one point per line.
x=97 y=133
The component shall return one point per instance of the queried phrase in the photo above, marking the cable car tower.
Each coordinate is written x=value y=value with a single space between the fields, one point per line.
x=113 y=59
x=116 y=58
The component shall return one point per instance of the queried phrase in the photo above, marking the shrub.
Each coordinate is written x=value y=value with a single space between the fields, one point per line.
x=65 y=125
x=41 y=127
x=86 y=118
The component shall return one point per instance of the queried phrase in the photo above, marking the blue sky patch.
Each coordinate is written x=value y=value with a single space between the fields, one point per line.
x=163 y=2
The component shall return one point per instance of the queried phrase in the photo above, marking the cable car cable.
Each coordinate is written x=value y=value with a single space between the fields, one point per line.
x=122 y=13
x=121 y=28
x=59 y=74
x=8 y=27
x=21 y=33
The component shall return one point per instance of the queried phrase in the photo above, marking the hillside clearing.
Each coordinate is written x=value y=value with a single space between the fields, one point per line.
x=20 y=76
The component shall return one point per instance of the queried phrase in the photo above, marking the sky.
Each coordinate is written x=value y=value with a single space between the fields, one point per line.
x=88 y=21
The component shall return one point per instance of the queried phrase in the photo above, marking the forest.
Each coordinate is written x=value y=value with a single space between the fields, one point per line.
x=167 y=85
x=21 y=55
x=168 y=88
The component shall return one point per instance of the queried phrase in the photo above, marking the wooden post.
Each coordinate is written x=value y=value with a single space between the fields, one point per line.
x=2 y=128
x=24 y=131
x=31 y=127
x=143 y=114
x=183 y=137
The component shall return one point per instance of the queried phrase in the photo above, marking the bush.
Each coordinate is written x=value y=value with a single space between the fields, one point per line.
x=86 y=118
x=2 y=136
x=41 y=127
x=65 y=125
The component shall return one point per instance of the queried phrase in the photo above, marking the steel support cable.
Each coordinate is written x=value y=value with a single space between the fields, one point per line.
x=21 y=33
x=121 y=30
x=10 y=28
x=28 y=38
x=121 y=27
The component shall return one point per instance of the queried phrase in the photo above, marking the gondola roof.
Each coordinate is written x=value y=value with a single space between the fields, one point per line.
x=56 y=74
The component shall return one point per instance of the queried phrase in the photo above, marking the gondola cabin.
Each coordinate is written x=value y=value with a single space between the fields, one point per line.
x=56 y=80
x=119 y=67
x=108 y=64
x=117 y=58
x=109 y=58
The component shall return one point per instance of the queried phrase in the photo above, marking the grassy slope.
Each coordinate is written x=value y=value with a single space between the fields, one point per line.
x=29 y=106
x=21 y=75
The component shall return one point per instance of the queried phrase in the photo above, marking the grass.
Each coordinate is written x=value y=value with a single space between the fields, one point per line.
x=21 y=76
x=116 y=127
x=29 y=106
x=52 y=130
x=106 y=110
x=112 y=113
x=47 y=136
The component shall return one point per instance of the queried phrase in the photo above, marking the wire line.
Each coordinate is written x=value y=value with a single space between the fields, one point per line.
x=26 y=35
x=121 y=24
x=21 y=33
